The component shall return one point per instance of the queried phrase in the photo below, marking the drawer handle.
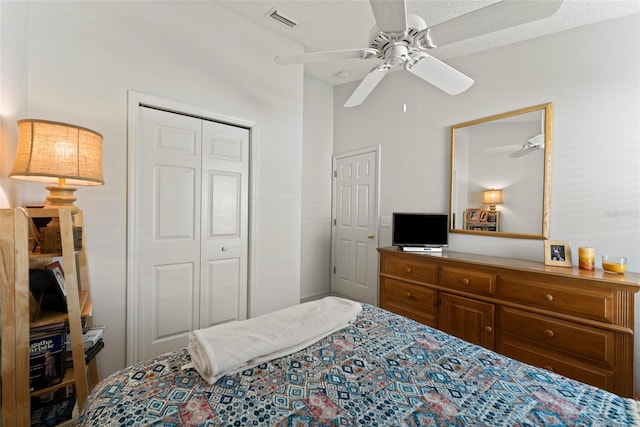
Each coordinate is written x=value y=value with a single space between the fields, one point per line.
x=488 y=329
x=548 y=368
x=465 y=281
x=408 y=294
x=548 y=333
x=548 y=297
x=408 y=269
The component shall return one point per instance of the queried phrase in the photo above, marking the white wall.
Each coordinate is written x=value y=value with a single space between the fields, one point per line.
x=591 y=75
x=315 y=245
x=14 y=22
x=82 y=58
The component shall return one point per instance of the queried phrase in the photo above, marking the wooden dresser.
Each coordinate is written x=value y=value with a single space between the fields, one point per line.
x=577 y=323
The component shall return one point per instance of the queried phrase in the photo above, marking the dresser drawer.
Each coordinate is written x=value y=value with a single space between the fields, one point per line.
x=398 y=292
x=596 y=304
x=582 y=341
x=553 y=362
x=469 y=280
x=426 y=318
x=414 y=269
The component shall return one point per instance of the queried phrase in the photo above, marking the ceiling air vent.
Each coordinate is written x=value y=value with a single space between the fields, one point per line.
x=283 y=19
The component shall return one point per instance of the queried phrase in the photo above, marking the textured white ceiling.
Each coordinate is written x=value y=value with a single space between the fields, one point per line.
x=346 y=24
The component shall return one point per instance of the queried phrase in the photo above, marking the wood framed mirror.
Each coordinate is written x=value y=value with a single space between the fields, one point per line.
x=501 y=174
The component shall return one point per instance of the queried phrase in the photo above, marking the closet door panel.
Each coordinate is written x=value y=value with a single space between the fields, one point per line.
x=225 y=186
x=167 y=215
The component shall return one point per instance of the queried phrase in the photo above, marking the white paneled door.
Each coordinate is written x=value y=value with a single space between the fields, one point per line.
x=191 y=213
x=355 y=213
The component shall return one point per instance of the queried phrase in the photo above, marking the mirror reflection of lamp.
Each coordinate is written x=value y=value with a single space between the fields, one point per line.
x=492 y=198
x=61 y=154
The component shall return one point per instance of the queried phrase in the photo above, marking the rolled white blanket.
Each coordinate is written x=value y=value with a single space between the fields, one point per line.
x=230 y=347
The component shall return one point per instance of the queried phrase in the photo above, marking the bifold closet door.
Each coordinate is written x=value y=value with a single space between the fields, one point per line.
x=191 y=227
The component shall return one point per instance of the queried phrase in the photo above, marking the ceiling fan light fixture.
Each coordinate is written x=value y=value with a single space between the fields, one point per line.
x=397 y=55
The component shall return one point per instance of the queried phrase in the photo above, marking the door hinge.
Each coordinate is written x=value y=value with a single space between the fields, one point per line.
x=334 y=270
x=335 y=222
x=335 y=174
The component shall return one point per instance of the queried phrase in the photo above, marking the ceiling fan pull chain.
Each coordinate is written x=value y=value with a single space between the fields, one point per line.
x=404 y=92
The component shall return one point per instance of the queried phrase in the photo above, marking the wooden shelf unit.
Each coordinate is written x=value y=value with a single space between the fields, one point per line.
x=17 y=259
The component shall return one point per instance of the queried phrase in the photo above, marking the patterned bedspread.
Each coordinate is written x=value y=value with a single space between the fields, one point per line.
x=384 y=370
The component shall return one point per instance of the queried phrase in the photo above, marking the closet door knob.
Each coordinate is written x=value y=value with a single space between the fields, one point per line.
x=465 y=281
x=408 y=269
x=548 y=297
x=548 y=333
x=488 y=329
x=223 y=249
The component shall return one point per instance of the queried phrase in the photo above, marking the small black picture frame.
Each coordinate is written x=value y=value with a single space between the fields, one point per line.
x=46 y=291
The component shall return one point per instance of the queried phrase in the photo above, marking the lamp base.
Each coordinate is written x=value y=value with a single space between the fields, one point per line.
x=61 y=197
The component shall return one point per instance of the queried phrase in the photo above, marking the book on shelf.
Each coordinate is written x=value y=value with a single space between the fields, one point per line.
x=46 y=356
x=90 y=336
x=89 y=354
x=52 y=413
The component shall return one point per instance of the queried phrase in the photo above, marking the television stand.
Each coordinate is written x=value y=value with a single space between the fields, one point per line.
x=420 y=249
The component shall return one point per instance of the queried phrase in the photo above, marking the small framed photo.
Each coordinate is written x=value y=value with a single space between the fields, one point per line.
x=58 y=273
x=484 y=216
x=557 y=252
x=473 y=215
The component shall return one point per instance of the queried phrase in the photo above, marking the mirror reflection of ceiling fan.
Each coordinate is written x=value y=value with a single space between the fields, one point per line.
x=534 y=143
x=402 y=41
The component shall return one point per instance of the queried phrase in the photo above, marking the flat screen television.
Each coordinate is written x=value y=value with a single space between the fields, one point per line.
x=420 y=231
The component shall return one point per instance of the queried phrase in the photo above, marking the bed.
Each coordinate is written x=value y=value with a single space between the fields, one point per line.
x=381 y=370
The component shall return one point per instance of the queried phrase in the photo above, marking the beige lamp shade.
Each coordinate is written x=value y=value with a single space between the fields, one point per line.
x=49 y=150
x=58 y=153
x=492 y=197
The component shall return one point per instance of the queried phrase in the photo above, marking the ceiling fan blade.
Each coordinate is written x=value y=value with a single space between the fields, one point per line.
x=366 y=86
x=505 y=148
x=497 y=16
x=391 y=15
x=327 y=56
x=521 y=152
x=439 y=74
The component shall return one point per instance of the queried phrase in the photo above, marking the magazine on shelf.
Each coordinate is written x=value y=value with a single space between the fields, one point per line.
x=46 y=356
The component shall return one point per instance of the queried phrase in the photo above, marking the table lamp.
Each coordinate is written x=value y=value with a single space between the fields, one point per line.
x=58 y=153
x=492 y=198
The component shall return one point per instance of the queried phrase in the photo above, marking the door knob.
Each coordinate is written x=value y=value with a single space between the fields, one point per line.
x=370 y=236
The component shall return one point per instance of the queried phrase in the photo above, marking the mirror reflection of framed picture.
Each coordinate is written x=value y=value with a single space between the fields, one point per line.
x=557 y=252
x=473 y=215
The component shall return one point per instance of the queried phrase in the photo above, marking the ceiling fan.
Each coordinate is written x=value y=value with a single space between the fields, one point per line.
x=402 y=41
x=536 y=142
